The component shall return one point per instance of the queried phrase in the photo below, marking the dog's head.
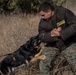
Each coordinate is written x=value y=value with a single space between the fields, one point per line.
x=32 y=44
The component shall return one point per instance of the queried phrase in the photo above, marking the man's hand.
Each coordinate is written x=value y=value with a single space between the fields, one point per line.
x=55 y=31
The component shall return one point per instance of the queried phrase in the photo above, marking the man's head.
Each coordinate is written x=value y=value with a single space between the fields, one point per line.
x=46 y=10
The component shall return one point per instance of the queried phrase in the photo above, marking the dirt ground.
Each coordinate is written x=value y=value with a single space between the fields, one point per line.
x=15 y=30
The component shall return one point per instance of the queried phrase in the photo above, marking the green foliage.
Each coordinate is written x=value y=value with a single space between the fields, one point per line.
x=26 y=6
x=7 y=5
x=59 y=2
x=12 y=5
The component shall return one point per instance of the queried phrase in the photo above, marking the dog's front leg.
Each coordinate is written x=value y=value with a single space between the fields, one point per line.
x=39 y=52
x=41 y=57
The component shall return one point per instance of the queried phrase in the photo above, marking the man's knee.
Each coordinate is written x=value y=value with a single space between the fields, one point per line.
x=70 y=55
x=44 y=67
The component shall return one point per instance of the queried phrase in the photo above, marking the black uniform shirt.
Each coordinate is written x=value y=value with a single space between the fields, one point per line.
x=63 y=18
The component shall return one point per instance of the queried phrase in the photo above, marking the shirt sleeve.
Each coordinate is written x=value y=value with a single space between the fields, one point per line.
x=45 y=36
x=70 y=30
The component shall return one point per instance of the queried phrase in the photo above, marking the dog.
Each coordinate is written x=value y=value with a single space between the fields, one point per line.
x=27 y=53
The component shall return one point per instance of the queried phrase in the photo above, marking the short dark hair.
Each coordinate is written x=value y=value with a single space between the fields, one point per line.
x=46 y=6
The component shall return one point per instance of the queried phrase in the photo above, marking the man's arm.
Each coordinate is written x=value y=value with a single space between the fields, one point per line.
x=69 y=31
x=46 y=36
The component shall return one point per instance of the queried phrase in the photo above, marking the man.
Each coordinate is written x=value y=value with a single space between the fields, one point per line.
x=57 y=28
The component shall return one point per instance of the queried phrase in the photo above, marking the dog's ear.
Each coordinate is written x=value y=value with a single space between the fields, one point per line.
x=32 y=43
x=36 y=41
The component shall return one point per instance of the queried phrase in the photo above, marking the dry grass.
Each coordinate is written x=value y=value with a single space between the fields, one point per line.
x=16 y=30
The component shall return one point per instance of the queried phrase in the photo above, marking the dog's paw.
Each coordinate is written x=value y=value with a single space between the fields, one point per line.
x=42 y=57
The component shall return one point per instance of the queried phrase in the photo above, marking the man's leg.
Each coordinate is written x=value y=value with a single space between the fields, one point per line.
x=44 y=65
x=70 y=55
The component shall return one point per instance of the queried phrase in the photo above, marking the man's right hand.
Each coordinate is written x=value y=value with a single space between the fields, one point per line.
x=56 y=31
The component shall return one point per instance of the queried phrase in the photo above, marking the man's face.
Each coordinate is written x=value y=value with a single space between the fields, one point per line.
x=46 y=15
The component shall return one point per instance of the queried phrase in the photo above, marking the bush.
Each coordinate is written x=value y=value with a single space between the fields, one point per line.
x=25 y=6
